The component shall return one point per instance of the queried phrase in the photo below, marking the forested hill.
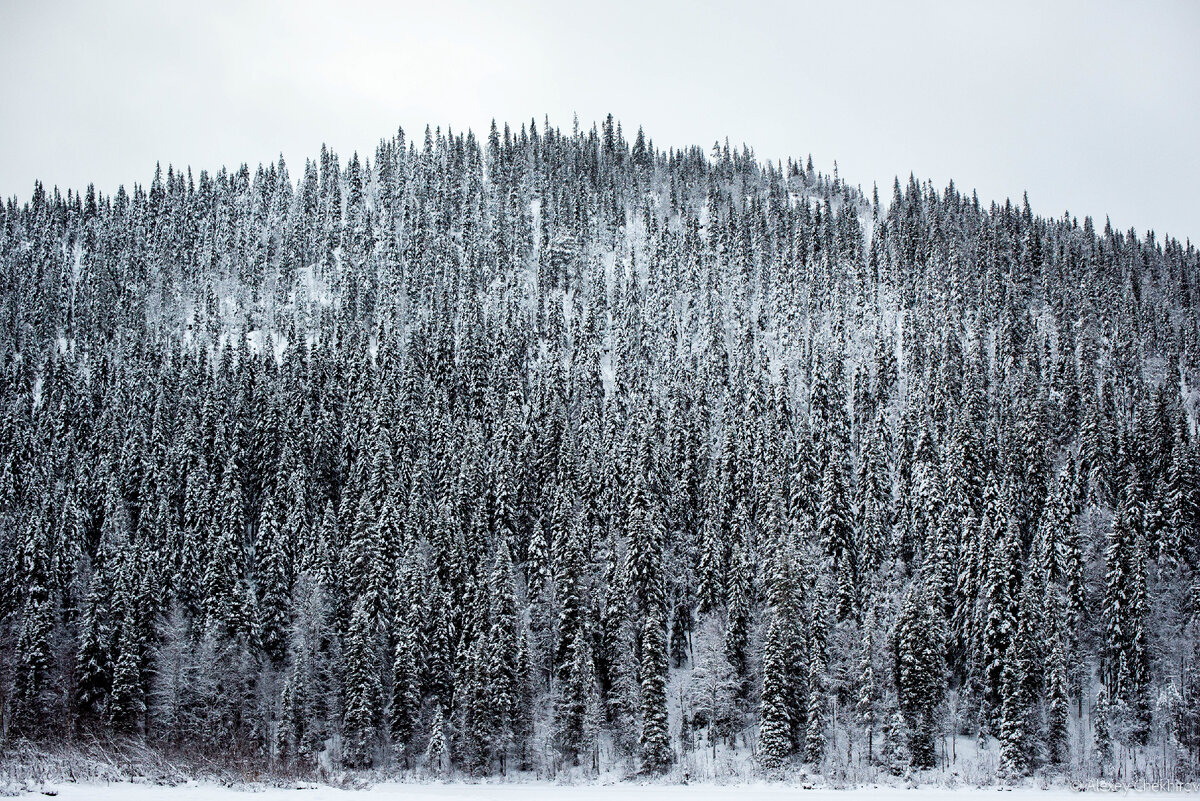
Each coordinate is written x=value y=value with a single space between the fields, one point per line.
x=558 y=450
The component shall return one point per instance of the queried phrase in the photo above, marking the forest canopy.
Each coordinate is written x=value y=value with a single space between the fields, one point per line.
x=556 y=451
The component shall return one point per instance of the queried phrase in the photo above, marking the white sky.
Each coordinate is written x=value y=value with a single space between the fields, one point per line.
x=1090 y=106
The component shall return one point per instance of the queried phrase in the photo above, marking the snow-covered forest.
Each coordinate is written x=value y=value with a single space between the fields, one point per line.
x=555 y=453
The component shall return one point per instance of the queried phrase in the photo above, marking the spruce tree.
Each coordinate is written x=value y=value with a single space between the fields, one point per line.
x=406 y=689
x=571 y=705
x=834 y=529
x=867 y=699
x=1101 y=729
x=737 y=621
x=1014 y=726
x=816 y=717
x=363 y=689
x=33 y=692
x=774 y=737
x=681 y=625
x=126 y=702
x=273 y=581
x=654 y=740
x=437 y=750
x=93 y=669
x=502 y=693
x=1058 y=701
x=920 y=666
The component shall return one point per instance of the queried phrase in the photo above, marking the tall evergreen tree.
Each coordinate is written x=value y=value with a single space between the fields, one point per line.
x=363 y=689
x=775 y=743
x=654 y=740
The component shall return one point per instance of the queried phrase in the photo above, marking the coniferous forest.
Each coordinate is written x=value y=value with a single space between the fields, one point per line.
x=555 y=452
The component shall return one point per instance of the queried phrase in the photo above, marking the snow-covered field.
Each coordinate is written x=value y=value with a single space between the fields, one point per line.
x=546 y=792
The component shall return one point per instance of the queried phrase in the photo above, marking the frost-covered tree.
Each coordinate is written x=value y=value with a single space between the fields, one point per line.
x=655 y=739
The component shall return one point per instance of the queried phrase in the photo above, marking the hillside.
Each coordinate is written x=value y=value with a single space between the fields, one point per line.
x=557 y=454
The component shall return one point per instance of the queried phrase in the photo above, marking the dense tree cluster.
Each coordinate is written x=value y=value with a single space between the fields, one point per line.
x=558 y=450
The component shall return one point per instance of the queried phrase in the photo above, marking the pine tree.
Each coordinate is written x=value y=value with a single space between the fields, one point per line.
x=1187 y=711
x=471 y=723
x=710 y=569
x=523 y=714
x=1180 y=499
x=224 y=594
x=646 y=535
x=1023 y=671
x=1125 y=665
x=593 y=723
x=1000 y=609
x=895 y=753
x=365 y=565
x=291 y=722
x=1071 y=555
x=874 y=499
x=502 y=695
x=308 y=720
x=568 y=587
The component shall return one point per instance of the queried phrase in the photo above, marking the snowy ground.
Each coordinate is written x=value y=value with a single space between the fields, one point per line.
x=547 y=792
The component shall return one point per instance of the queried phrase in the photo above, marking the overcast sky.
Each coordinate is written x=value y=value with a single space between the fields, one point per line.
x=1090 y=106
